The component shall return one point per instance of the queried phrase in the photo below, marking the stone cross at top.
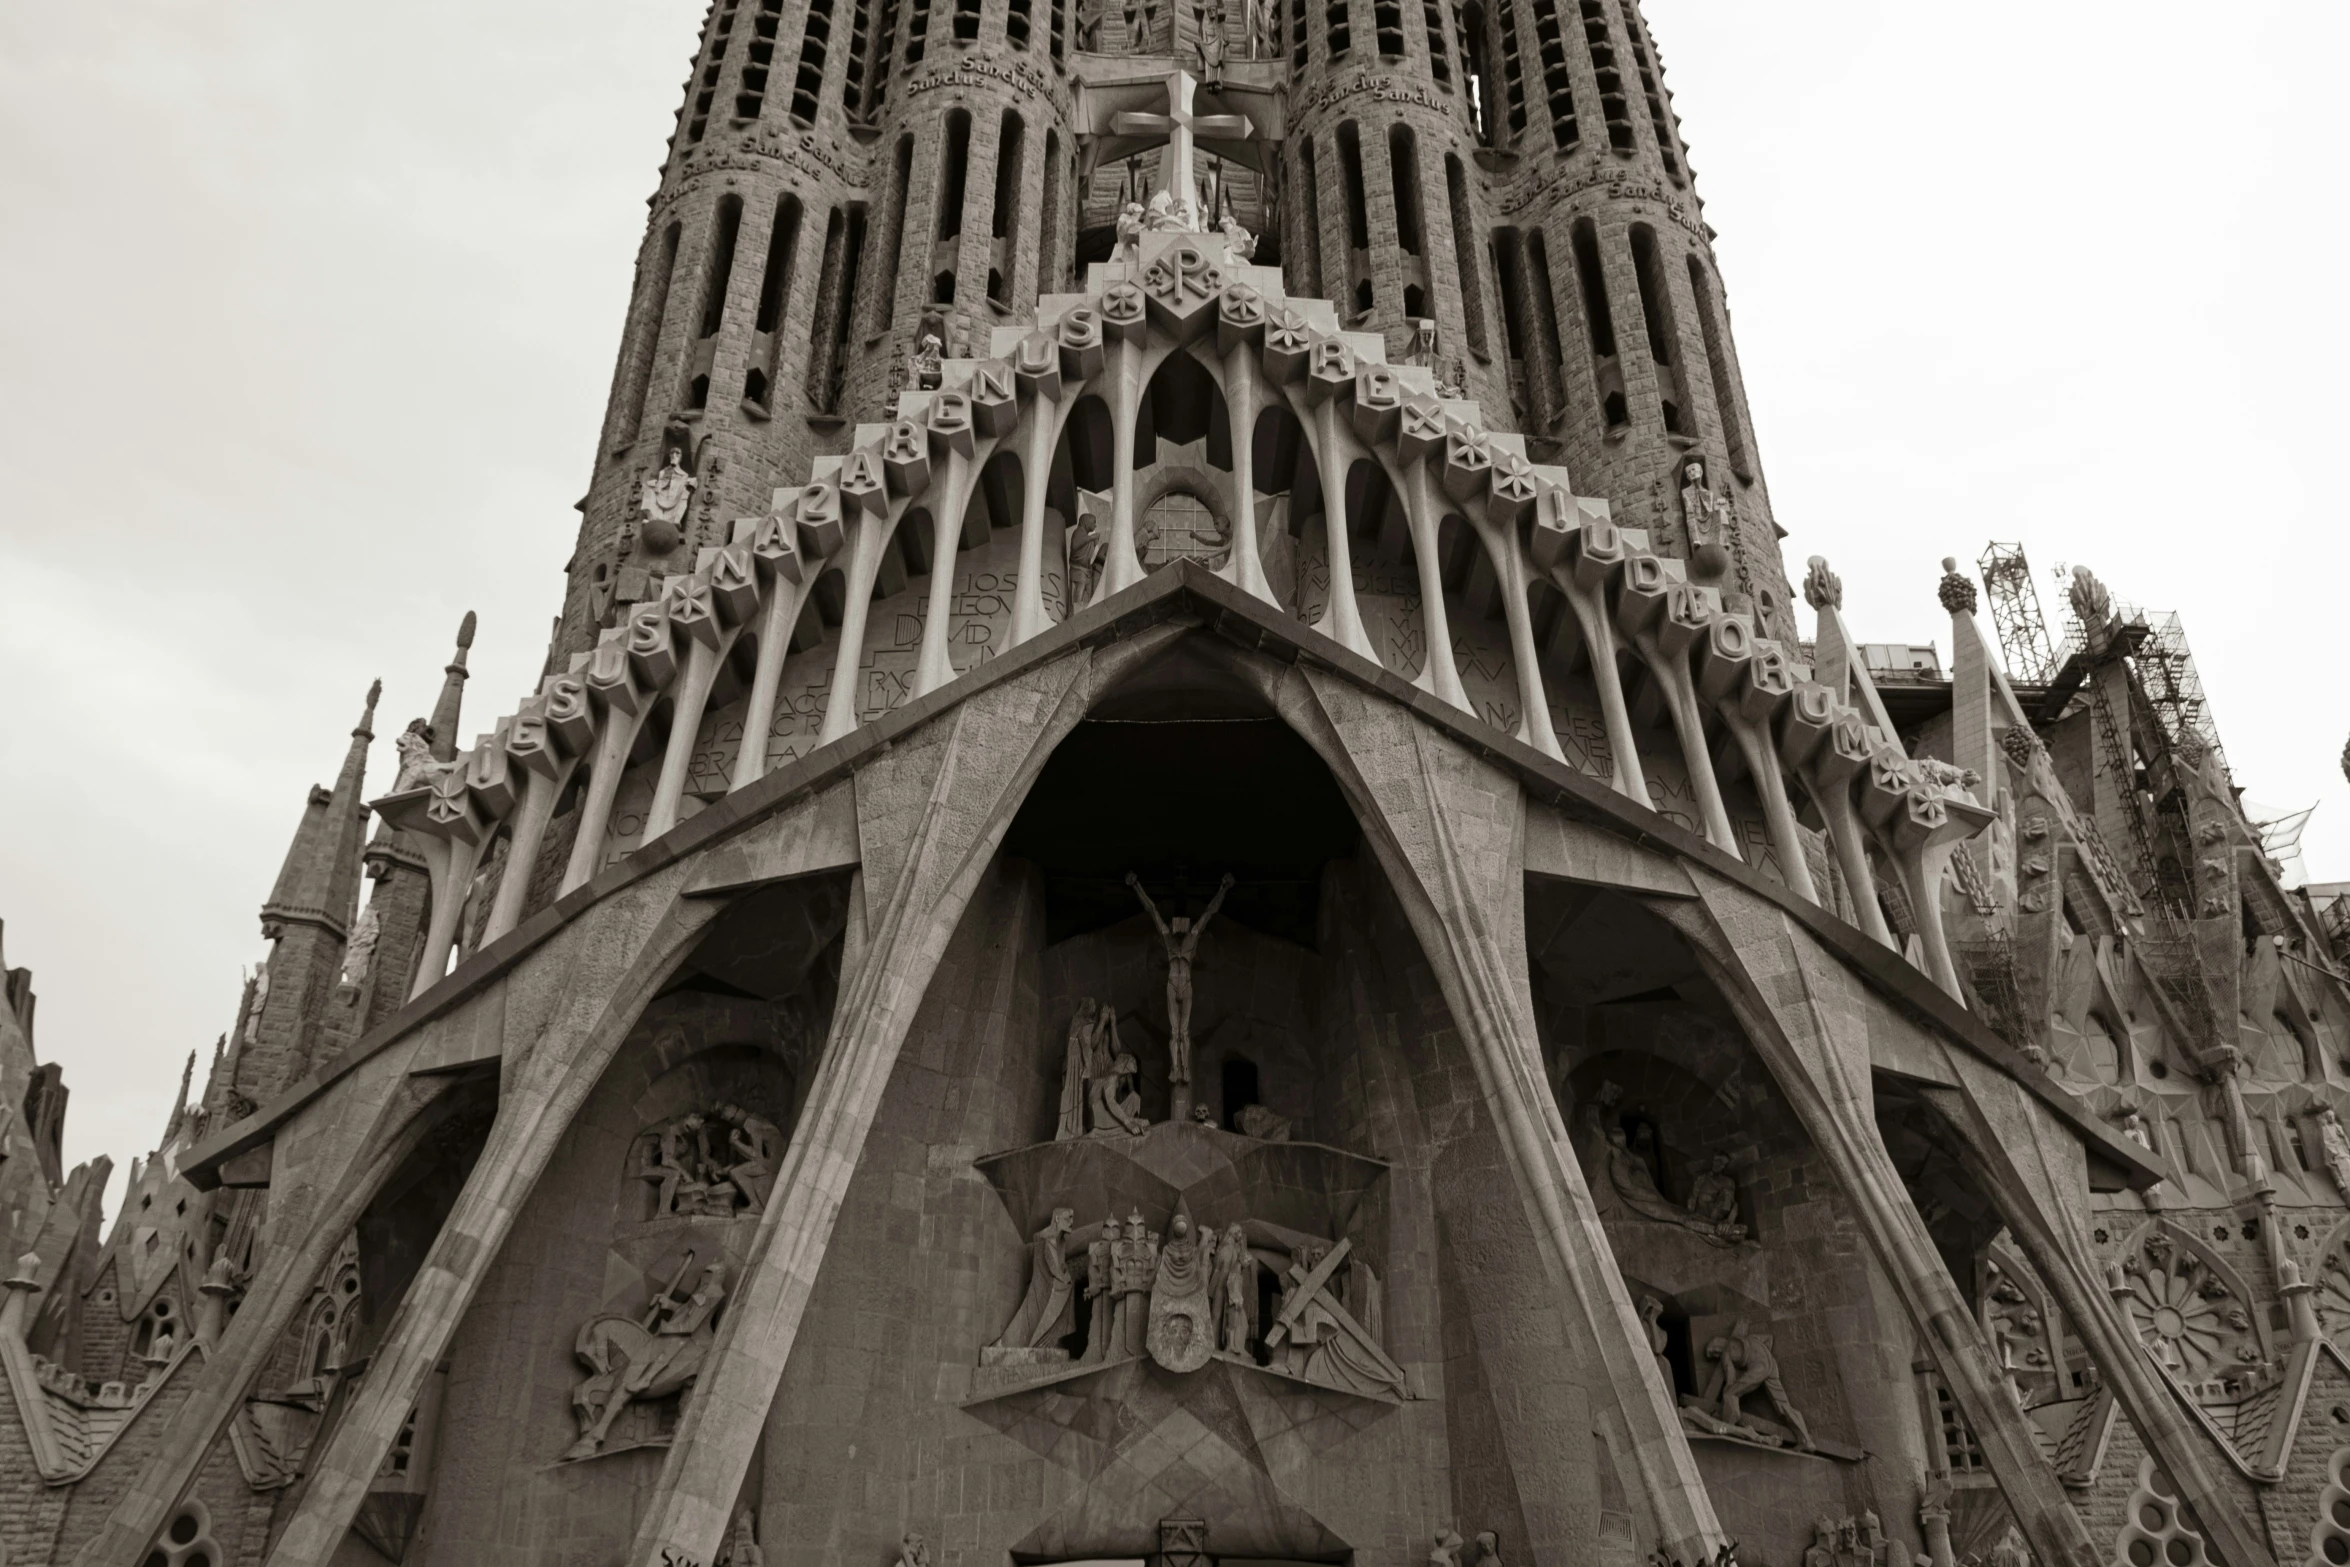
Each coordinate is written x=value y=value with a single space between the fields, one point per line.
x=1181 y=127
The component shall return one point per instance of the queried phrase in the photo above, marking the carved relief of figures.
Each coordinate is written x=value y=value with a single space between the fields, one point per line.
x=1713 y=1196
x=1744 y=1363
x=1262 y=1124
x=1212 y=46
x=1446 y=1549
x=1634 y=1185
x=1232 y=1292
x=713 y=1165
x=1704 y=520
x=631 y=1359
x=1044 y=1312
x=2336 y=1141
x=1316 y=1339
x=742 y=1544
x=1097 y=1084
x=1134 y=1267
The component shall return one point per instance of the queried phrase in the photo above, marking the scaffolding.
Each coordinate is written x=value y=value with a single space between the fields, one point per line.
x=2015 y=613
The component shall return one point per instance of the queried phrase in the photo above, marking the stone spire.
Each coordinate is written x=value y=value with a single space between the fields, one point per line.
x=447 y=711
x=308 y=919
x=319 y=882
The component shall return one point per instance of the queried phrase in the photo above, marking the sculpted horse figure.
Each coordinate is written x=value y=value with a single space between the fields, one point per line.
x=654 y=1356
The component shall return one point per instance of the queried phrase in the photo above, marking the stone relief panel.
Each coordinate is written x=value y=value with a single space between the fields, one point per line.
x=2192 y=1313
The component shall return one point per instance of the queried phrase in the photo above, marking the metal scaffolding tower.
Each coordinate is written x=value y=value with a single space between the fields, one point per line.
x=2015 y=611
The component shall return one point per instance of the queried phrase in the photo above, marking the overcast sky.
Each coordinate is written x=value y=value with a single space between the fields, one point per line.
x=307 y=315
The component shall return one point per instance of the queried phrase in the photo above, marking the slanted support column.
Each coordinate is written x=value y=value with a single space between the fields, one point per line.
x=1036 y=367
x=961 y=791
x=2032 y=1171
x=1240 y=326
x=865 y=499
x=789 y=547
x=554 y=1061
x=1420 y=427
x=1808 y=1018
x=1448 y=830
x=1584 y=551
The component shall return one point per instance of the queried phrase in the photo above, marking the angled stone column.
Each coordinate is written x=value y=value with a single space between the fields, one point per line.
x=2033 y=1170
x=1808 y=1017
x=930 y=815
x=329 y=1163
x=1448 y=829
x=556 y=1019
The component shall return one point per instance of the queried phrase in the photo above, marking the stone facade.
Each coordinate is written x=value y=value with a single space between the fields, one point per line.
x=1178 y=892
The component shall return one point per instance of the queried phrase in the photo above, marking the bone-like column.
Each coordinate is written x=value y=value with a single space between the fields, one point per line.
x=1827 y=744
x=1342 y=619
x=790 y=546
x=1747 y=681
x=1123 y=315
x=550 y=731
x=952 y=448
x=1036 y=363
x=453 y=838
x=1495 y=515
x=708 y=640
x=1584 y=552
x=1242 y=398
x=863 y=497
x=612 y=683
x=1662 y=618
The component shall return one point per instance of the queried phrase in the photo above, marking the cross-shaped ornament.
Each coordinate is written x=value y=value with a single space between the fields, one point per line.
x=1181 y=127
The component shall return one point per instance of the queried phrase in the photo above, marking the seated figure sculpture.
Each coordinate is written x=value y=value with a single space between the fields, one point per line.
x=1634 y=1186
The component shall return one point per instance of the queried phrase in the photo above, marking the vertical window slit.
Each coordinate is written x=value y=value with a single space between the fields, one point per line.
x=1297 y=35
x=1338 y=36
x=722 y=241
x=1599 y=324
x=1476 y=68
x=645 y=340
x=1016 y=23
x=1358 y=218
x=967 y=20
x=1545 y=374
x=1004 y=229
x=1717 y=362
x=917 y=33
x=1464 y=238
x=1660 y=118
x=1656 y=309
x=1513 y=71
x=1439 y=65
x=1310 y=253
x=894 y=236
x=885 y=43
x=1048 y=222
x=774 y=291
x=1055 y=40
x=1387 y=24
x=852 y=90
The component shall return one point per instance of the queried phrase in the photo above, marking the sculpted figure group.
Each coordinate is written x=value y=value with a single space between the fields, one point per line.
x=1190 y=1294
x=710 y=1165
x=1623 y=1178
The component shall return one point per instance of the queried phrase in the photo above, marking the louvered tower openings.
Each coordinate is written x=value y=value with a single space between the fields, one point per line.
x=846 y=174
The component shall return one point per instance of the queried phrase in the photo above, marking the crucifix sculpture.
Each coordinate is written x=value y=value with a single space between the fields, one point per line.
x=1181 y=127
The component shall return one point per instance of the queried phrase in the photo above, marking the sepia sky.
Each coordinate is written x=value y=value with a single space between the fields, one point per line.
x=307 y=316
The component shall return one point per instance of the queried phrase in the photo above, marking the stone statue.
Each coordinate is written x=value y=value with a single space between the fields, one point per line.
x=1822 y=1550
x=1262 y=1124
x=2335 y=1138
x=925 y=366
x=1043 y=1316
x=1744 y=1364
x=1182 y=1314
x=416 y=759
x=1134 y=1267
x=672 y=1170
x=653 y=1356
x=1652 y=1321
x=2011 y=1550
x=359 y=955
x=1100 y=1297
x=1453 y=380
x=1635 y=1187
x=742 y=1545
x=1446 y=1551
x=1181 y=937
x=1319 y=1341
x=1117 y=1104
x=2091 y=603
x=755 y=1143
x=1234 y=1291
x=2135 y=1129
x=1260 y=27
x=1485 y=1551
x=661 y=507
x=1243 y=243
x=1161 y=214
x=1422 y=349
x=913 y=1550
x=1822 y=588
x=1713 y=1196
x=1131 y=221
x=1212 y=48
x=1086 y=1060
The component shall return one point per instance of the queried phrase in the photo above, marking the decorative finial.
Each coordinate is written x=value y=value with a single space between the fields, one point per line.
x=465 y=631
x=367 y=719
x=2346 y=760
x=2090 y=601
x=1956 y=592
x=1822 y=588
